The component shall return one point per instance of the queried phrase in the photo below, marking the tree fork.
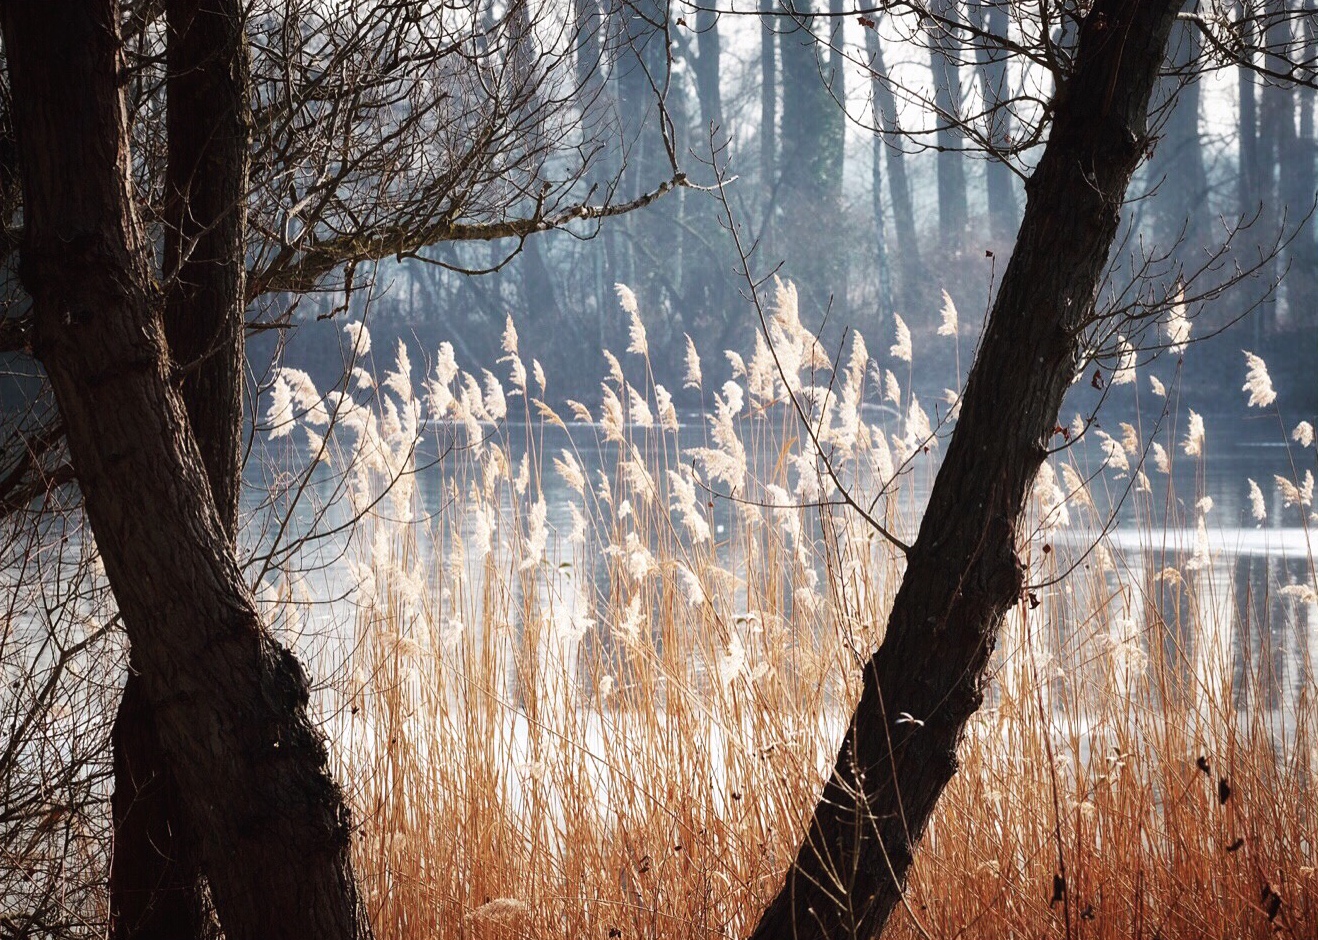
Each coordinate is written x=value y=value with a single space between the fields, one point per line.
x=270 y=827
x=962 y=572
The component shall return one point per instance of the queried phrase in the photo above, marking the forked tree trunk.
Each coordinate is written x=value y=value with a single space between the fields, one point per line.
x=154 y=880
x=962 y=572
x=269 y=826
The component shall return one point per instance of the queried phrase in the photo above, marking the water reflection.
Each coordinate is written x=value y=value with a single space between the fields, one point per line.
x=1271 y=662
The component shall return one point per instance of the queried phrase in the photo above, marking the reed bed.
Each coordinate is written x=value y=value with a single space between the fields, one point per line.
x=586 y=696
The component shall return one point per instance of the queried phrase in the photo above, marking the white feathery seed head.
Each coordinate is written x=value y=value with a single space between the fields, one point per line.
x=627 y=298
x=508 y=342
x=892 y=389
x=1257 y=382
x=949 y=325
x=901 y=349
x=1257 y=507
x=1193 y=445
x=692 y=379
x=280 y=414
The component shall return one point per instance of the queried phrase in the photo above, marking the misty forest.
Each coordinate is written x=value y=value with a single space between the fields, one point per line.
x=643 y=469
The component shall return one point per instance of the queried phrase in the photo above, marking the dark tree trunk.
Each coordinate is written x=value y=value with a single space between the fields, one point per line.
x=155 y=886
x=911 y=276
x=153 y=878
x=962 y=572
x=269 y=826
x=944 y=50
x=205 y=221
x=991 y=15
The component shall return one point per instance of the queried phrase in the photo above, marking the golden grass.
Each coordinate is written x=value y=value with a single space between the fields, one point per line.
x=622 y=734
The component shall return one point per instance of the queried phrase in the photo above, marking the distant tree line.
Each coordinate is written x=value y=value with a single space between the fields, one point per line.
x=879 y=158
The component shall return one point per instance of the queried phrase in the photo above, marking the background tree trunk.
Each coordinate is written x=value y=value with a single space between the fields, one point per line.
x=813 y=132
x=884 y=104
x=962 y=572
x=1302 y=182
x=1177 y=168
x=1248 y=181
x=1276 y=135
x=768 y=120
x=953 y=210
x=709 y=74
x=998 y=177
x=270 y=827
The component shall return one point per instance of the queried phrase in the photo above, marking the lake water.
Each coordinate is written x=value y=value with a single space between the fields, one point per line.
x=1251 y=582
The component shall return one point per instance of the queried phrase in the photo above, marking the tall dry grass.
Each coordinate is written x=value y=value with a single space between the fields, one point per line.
x=595 y=696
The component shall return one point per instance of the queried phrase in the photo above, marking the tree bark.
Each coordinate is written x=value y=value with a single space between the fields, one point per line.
x=154 y=881
x=269 y=825
x=963 y=573
x=155 y=888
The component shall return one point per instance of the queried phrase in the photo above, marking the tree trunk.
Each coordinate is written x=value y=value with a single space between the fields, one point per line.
x=837 y=82
x=205 y=223
x=708 y=76
x=883 y=271
x=1302 y=182
x=1177 y=168
x=154 y=882
x=704 y=303
x=269 y=826
x=911 y=274
x=962 y=572
x=1276 y=133
x=155 y=889
x=813 y=132
x=768 y=120
x=952 y=206
x=992 y=16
